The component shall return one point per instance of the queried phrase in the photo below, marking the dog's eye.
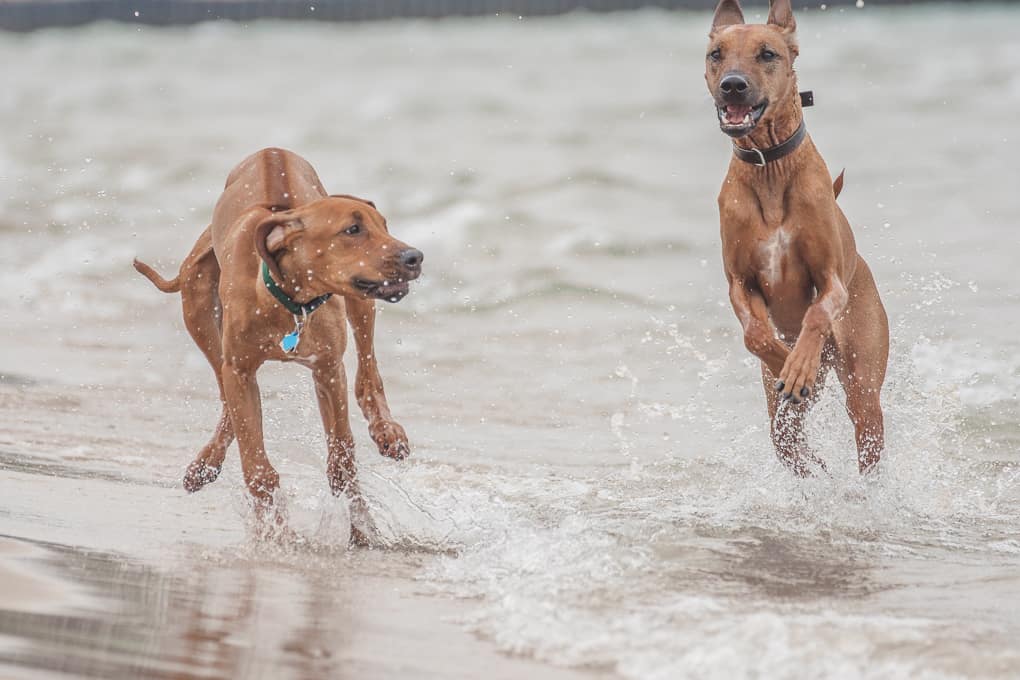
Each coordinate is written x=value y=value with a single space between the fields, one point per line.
x=353 y=229
x=715 y=55
x=768 y=55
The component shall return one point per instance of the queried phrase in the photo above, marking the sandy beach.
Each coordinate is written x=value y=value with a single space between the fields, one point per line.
x=111 y=571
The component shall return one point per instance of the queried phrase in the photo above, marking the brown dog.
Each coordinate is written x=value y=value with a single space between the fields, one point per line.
x=805 y=298
x=259 y=280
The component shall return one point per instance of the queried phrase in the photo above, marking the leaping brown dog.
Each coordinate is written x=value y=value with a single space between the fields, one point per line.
x=273 y=278
x=806 y=300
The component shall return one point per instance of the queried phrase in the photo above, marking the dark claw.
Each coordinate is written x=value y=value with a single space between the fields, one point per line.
x=787 y=396
x=795 y=400
x=804 y=391
x=780 y=385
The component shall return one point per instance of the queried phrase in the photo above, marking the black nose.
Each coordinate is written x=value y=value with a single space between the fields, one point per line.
x=411 y=258
x=733 y=85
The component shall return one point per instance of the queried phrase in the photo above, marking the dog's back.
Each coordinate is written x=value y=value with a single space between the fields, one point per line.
x=272 y=177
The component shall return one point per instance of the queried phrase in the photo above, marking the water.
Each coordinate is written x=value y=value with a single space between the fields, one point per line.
x=592 y=491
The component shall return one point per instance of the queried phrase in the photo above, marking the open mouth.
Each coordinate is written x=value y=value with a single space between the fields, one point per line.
x=737 y=120
x=391 y=291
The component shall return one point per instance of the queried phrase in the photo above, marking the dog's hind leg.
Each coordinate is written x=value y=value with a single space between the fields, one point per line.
x=387 y=433
x=200 y=275
x=787 y=426
x=862 y=343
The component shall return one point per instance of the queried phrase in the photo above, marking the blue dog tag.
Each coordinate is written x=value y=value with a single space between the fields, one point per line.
x=290 y=341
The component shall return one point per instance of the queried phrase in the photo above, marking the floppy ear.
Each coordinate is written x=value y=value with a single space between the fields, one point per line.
x=272 y=235
x=781 y=15
x=353 y=198
x=727 y=13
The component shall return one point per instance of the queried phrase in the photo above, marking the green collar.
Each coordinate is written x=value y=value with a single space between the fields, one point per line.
x=295 y=308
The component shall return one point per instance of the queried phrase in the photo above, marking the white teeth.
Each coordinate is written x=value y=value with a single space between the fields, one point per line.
x=747 y=118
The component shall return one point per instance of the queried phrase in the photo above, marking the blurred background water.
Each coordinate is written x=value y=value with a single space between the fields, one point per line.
x=592 y=489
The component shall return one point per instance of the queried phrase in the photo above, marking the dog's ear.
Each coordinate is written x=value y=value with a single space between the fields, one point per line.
x=781 y=15
x=272 y=235
x=727 y=13
x=353 y=198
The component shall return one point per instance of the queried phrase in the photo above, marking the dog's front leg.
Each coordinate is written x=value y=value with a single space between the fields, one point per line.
x=802 y=365
x=331 y=392
x=387 y=434
x=759 y=335
x=245 y=406
x=341 y=469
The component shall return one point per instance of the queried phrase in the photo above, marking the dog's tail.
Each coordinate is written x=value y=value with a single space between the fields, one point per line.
x=171 y=286
x=837 y=186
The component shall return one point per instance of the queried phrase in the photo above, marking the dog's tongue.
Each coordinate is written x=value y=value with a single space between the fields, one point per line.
x=735 y=114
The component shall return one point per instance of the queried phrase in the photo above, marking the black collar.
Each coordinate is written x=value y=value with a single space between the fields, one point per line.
x=295 y=308
x=761 y=157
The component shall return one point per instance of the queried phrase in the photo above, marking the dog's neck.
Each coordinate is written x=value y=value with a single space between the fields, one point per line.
x=300 y=292
x=770 y=183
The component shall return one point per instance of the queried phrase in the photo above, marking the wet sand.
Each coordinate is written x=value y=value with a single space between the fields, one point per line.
x=83 y=613
x=109 y=571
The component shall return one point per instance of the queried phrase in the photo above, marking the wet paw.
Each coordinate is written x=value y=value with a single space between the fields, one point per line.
x=262 y=484
x=867 y=463
x=198 y=474
x=358 y=538
x=799 y=374
x=391 y=439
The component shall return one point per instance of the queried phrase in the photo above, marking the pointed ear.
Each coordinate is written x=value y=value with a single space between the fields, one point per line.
x=727 y=13
x=353 y=198
x=272 y=235
x=781 y=15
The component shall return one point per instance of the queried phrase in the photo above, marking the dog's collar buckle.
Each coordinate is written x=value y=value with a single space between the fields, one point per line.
x=762 y=157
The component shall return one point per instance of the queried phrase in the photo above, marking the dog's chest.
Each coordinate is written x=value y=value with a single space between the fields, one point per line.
x=774 y=253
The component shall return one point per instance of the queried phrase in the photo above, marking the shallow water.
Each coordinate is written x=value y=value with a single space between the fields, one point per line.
x=592 y=490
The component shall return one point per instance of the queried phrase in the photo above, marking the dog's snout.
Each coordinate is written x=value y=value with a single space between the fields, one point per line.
x=411 y=258
x=734 y=85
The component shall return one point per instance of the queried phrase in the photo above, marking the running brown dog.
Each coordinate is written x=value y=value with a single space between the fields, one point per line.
x=806 y=300
x=260 y=277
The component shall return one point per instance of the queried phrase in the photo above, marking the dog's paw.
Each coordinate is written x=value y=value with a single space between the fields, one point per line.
x=262 y=483
x=391 y=439
x=198 y=474
x=799 y=373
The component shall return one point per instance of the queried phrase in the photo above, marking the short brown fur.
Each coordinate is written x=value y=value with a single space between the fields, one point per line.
x=274 y=209
x=805 y=298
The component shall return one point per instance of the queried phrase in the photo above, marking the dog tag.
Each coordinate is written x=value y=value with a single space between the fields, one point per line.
x=290 y=341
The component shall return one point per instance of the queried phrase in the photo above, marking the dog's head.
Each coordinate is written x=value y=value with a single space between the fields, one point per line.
x=338 y=244
x=749 y=67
